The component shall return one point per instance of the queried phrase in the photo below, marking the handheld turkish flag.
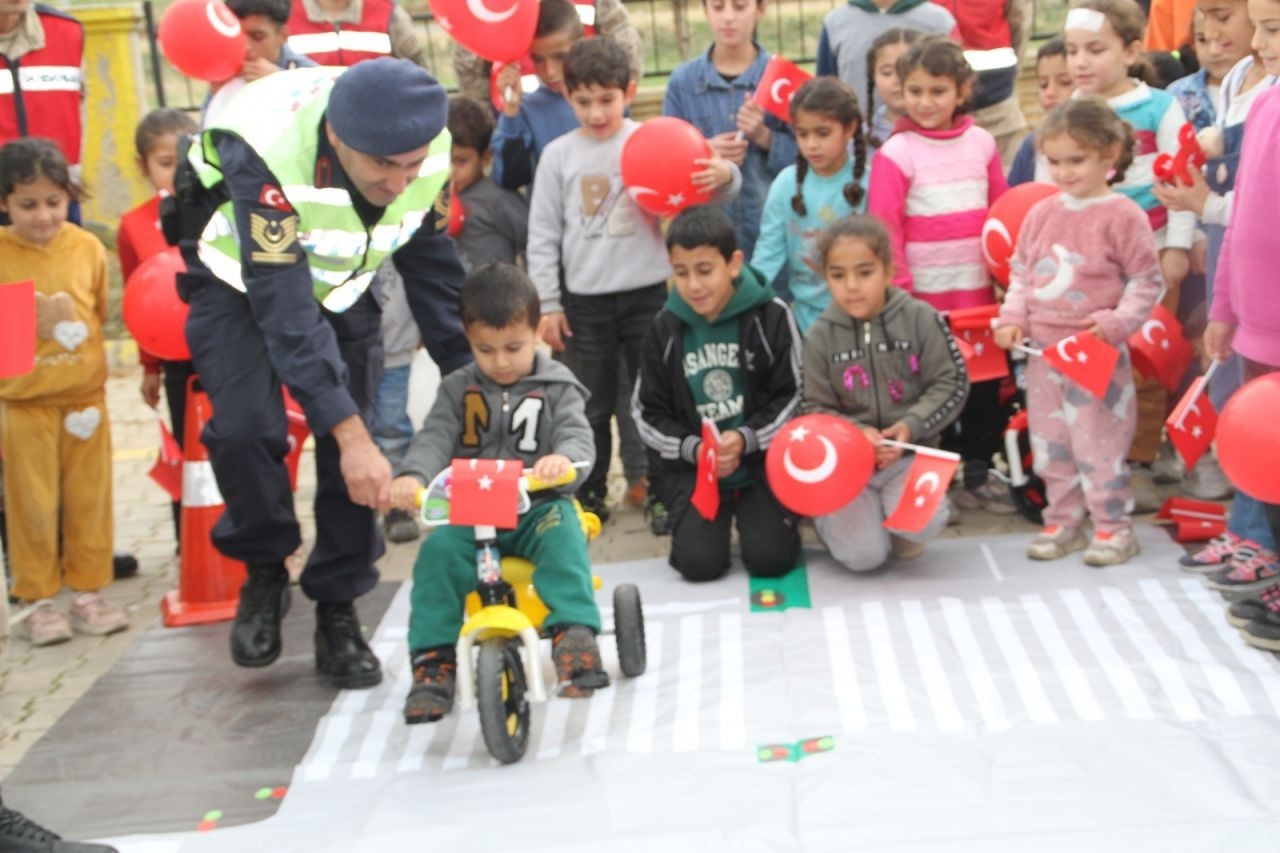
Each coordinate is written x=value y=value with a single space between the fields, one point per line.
x=927 y=484
x=1086 y=360
x=457 y=214
x=778 y=86
x=167 y=472
x=1159 y=350
x=1195 y=521
x=485 y=492
x=972 y=330
x=1192 y=423
x=706 y=492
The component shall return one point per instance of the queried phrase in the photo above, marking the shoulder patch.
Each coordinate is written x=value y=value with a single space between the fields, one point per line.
x=275 y=234
x=441 y=210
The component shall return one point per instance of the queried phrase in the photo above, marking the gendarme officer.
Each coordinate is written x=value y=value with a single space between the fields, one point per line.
x=286 y=205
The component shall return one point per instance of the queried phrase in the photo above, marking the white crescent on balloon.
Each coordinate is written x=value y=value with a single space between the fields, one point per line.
x=994 y=225
x=1151 y=325
x=484 y=13
x=809 y=476
x=775 y=91
x=222 y=19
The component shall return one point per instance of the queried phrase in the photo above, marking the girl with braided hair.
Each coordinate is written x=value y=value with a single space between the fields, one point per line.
x=826 y=183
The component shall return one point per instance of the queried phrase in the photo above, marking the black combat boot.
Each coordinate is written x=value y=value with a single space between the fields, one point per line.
x=341 y=651
x=264 y=600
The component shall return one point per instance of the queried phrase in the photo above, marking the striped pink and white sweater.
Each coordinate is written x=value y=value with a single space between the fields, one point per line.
x=932 y=189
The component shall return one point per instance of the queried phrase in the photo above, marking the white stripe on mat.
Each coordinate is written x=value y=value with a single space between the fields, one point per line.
x=1261 y=665
x=1162 y=666
x=1117 y=671
x=936 y=685
x=892 y=691
x=844 y=676
x=1024 y=674
x=975 y=666
x=644 y=705
x=1072 y=676
x=684 y=732
x=733 y=723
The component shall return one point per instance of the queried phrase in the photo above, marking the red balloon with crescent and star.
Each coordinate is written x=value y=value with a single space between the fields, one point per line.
x=498 y=30
x=818 y=464
x=658 y=162
x=1000 y=232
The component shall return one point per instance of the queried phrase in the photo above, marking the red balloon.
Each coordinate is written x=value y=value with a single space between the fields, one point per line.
x=818 y=464
x=1004 y=221
x=154 y=314
x=498 y=30
x=658 y=165
x=528 y=82
x=202 y=39
x=1247 y=439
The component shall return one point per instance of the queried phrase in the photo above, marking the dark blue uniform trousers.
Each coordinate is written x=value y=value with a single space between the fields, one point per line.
x=247 y=443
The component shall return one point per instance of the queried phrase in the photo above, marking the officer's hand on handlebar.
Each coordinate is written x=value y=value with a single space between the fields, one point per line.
x=366 y=472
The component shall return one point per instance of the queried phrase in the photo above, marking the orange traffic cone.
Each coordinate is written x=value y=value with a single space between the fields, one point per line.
x=209 y=586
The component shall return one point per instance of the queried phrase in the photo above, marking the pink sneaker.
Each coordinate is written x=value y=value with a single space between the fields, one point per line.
x=93 y=614
x=46 y=625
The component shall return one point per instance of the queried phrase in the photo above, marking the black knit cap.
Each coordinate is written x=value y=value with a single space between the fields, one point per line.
x=387 y=106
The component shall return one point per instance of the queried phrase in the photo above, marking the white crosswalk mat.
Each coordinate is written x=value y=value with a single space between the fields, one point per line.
x=725 y=679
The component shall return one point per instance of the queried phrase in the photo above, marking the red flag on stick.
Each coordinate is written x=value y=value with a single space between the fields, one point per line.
x=167 y=472
x=927 y=484
x=485 y=492
x=706 y=492
x=1158 y=349
x=778 y=86
x=972 y=330
x=457 y=214
x=1086 y=360
x=1192 y=423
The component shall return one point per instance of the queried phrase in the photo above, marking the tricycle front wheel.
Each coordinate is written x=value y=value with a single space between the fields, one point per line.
x=500 y=695
x=628 y=629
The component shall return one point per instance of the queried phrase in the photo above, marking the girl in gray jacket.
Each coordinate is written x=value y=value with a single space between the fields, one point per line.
x=886 y=362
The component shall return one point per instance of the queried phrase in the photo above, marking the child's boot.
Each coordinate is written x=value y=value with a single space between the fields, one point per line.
x=435 y=673
x=577 y=660
x=1110 y=549
x=1055 y=542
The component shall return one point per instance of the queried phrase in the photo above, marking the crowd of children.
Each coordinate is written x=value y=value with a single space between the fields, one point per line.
x=817 y=279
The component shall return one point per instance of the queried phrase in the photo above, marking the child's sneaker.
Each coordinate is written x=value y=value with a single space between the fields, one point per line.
x=903 y=548
x=656 y=514
x=1263 y=633
x=1111 y=549
x=1055 y=542
x=46 y=625
x=435 y=673
x=1207 y=481
x=92 y=614
x=1168 y=466
x=993 y=495
x=1142 y=484
x=1212 y=557
x=577 y=659
x=637 y=493
x=593 y=502
x=1246 y=610
x=1252 y=569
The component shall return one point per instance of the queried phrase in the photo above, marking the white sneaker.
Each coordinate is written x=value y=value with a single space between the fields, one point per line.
x=1143 y=485
x=1168 y=467
x=93 y=614
x=1110 y=549
x=1055 y=542
x=45 y=625
x=1207 y=481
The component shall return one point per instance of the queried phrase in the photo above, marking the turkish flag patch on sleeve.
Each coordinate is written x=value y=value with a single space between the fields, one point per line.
x=273 y=196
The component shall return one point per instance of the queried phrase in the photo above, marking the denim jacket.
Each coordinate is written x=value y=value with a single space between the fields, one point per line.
x=1192 y=93
x=699 y=95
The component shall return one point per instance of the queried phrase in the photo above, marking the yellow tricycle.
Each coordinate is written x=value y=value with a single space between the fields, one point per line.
x=505 y=619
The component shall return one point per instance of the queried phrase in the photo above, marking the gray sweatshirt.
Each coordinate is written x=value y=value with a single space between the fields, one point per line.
x=901 y=365
x=473 y=417
x=583 y=224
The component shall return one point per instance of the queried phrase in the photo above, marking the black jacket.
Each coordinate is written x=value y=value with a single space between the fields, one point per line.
x=663 y=405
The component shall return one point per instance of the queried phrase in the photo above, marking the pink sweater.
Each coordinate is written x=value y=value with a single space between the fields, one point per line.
x=1080 y=262
x=1246 y=292
x=932 y=189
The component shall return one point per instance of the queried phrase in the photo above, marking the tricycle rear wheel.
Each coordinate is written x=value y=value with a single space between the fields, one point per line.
x=628 y=629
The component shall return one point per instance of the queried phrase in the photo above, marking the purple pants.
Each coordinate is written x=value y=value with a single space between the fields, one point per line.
x=1080 y=443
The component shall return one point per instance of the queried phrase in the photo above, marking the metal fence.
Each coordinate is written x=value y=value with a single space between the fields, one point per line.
x=671 y=31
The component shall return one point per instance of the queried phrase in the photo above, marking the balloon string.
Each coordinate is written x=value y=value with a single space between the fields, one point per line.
x=923 y=451
x=1200 y=386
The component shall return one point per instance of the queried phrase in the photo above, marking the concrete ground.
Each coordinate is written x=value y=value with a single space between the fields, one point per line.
x=38 y=685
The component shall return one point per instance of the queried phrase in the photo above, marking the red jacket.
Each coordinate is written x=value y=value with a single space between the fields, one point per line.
x=329 y=43
x=982 y=23
x=139 y=238
x=40 y=91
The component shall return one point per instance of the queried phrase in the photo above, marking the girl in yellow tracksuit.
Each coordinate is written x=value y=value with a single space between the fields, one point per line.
x=53 y=420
